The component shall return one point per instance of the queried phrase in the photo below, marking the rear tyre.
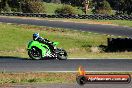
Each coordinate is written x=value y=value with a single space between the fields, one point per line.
x=35 y=53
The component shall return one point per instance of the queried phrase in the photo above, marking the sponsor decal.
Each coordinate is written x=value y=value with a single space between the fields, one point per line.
x=84 y=78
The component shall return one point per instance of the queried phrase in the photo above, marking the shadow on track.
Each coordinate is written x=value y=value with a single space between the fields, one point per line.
x=20 y=58
x=68 y=60
x=12 y=57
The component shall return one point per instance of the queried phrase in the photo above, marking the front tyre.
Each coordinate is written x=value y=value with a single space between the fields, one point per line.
x=62 y=55
x=35 y=53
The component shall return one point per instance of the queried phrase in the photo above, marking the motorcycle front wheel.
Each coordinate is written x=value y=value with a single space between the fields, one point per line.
x=34 y=53
x=62 y=55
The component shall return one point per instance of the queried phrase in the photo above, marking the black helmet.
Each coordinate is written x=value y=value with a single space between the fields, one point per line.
x=35 y=36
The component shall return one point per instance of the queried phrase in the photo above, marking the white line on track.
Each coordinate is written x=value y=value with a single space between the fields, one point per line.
x=98 y=58
x=85 y=71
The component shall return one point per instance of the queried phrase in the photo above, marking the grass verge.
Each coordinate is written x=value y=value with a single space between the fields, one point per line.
x=47 y=78
x=14 y=40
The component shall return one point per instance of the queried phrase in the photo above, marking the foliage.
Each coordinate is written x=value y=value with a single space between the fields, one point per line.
x=124 y=7
x=33 y=7
x=7 y=8
x=119 y=6
x=102 y=8
x=66 y=9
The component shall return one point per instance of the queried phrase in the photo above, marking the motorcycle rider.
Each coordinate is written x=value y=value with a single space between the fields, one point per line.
x=36 y=37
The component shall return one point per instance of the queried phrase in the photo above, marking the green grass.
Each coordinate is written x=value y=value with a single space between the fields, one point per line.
x=14 y=39
x=51 y=7
x=48 y=78
x=117 y=22
x=122 y=22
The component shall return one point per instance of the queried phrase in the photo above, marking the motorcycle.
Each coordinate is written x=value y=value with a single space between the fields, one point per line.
x=37 y=51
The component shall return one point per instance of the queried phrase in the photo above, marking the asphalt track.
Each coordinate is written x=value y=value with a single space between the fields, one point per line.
x=104 y=29
x=13 y=64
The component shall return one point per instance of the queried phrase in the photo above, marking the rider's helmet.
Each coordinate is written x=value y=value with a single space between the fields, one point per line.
x=35 y=36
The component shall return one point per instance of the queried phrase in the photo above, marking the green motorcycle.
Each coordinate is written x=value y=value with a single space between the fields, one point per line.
x=37 y=51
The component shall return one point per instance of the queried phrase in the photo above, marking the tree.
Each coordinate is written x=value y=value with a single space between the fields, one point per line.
x=123 y=7
x=86 y=6
x=5 y=6
x=0 y=6
x=128 y=7
x=102 y=7
x=33 y=6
